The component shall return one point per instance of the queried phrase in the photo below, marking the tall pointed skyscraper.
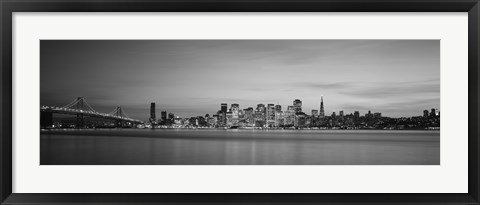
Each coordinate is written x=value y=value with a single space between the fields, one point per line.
x=322 y=111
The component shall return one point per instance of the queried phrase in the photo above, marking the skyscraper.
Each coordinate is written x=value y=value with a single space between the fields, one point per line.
x=297 y=104
x=164 y=116
x=152 y=113
x=223 y=107
x=322 y=111
x=271 y=115
x=235 y=114
x=289 y=116
x=223 y=112
x=221 y=118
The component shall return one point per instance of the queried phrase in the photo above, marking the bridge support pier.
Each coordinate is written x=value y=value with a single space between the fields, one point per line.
x=79 y=121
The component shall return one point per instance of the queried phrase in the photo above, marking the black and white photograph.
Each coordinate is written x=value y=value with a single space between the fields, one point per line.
x=240 y=102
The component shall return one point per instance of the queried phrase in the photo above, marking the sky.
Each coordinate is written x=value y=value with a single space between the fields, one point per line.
x=398 y=78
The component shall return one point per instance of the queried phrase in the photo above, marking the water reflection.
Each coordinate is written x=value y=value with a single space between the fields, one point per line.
x=239 y=147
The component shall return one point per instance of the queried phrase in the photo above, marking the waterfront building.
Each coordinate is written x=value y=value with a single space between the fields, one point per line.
x=314 y=119
x=201 y=121
x=193 y=121
x=297 y=105
x=259 y=118
x=169 y=120
x=178 y=121
x=262 y=109
x=300 y=120
x=164 y=116
x=235 y=114
x=212 y=121
x=249 y=119
x=270 y=115
x=152 y=114
x=377 y=115
x=341 y=113
x=432 y=113
x=241 y=115
x=229 y=118
x=279 y=118
x=221 y=119
x=289 y=117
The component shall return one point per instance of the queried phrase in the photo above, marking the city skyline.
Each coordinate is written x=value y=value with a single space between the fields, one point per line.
x=153 y=105
x=398 y=78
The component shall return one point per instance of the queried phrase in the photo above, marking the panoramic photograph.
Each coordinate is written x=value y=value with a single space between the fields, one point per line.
x=239 y=102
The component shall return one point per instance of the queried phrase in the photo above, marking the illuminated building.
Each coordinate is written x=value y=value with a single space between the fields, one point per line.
x=212 y=121
x=229 y=118
x=270 y=115
x=259 y=118
x=300 y=120
x=248 y=116
x=235 y=114
x=261 y=108
x=279 y=118
x=289 y=116
x=297 y=105
x=178 y=120
x=260 y=115
x=221 y=119
x=152 y=113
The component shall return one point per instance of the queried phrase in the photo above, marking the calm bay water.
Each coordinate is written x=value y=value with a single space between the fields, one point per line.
x=239 y=147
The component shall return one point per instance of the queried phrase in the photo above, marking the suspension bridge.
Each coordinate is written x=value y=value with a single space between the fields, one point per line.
x=81 y=109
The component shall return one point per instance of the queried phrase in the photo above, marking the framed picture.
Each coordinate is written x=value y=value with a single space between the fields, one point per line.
x=233 y=102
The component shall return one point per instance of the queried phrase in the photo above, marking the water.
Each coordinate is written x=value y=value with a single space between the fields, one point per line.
x=239 y=147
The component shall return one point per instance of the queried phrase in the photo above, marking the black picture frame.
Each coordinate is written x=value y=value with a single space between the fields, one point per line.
x=7 y=8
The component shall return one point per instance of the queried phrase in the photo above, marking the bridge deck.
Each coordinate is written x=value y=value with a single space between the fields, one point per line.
x=70 y=111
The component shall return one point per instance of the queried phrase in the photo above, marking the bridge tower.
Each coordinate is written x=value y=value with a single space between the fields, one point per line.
x=118 y=112
x=80 y=104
